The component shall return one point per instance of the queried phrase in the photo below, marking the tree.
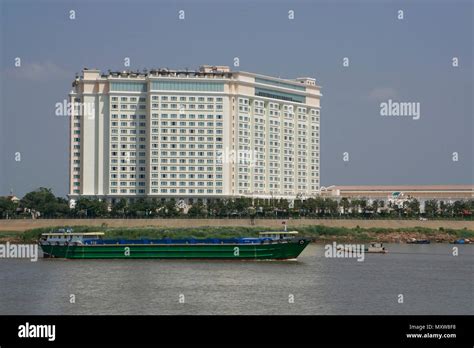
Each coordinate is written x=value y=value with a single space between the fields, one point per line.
x=198 y=209
x=138 y=208
x=283 y=204
x=155 y=205
x=217 y=208
x=241 y=205
x=297 y=204
x=119 y=209
x=62 y=207
x=459 y=207
x=268 y=209
x=376 y=204
x=39 y=200
x=431 y=208
x=45 y=202
x=345 y=204
x=470 y=205
x=355 y=205
x=412 y=207
x=319 y=205
x=308 y=206
x=170 y=209
x=363 y=204
x=331 y=206
x=446 y=209
x=91 y=207
x=7 y=208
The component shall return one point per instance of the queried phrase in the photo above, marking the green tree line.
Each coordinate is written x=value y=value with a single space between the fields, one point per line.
x=42 y=203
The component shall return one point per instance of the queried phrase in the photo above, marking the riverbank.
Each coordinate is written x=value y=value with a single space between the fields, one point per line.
x=21 y=225
x=318 y=233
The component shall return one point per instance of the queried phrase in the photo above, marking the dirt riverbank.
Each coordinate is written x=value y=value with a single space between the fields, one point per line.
x=21 y=225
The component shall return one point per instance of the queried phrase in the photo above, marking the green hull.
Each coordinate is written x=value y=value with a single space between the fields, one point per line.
x=287 y=250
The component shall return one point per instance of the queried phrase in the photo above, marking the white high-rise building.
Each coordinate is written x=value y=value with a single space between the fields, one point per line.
x=212 y=133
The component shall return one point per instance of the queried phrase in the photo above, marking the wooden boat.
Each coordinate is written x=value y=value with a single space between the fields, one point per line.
x=418 y=241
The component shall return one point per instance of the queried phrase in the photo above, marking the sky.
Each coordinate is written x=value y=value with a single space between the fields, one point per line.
x=404 y=60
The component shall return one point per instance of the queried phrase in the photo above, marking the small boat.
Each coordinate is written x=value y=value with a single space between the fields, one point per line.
x=372 y=248
x=90 y=245
x=462 y=241
x=376 y=248
x=418 y=241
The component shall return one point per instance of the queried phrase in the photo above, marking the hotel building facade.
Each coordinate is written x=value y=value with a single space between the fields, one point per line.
x=211 y=133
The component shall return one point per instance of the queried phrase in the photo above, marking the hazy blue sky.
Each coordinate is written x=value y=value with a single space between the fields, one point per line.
x=407 y=60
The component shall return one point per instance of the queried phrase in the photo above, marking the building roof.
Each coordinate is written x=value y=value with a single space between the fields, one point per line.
x=402 y=188
x=216 y=71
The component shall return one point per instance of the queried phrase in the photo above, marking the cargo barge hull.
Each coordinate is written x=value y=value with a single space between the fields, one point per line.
x=278 y=251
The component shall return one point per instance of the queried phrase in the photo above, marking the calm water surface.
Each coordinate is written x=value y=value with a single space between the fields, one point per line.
x=431 y=280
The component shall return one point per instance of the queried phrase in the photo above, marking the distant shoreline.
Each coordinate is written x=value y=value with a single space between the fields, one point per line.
x=320 y=231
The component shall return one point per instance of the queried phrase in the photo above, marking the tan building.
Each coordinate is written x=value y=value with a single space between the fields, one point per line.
x=209 y=133
x=420 y=192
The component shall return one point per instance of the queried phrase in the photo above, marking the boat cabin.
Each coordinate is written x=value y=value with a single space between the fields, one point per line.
x=376 y=245
x=61 y=238
x=279 y=235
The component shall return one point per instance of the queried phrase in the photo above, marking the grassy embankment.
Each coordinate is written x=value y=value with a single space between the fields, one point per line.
x=318 y=233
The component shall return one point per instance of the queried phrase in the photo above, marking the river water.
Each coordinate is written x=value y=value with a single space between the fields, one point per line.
x=430 y=279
